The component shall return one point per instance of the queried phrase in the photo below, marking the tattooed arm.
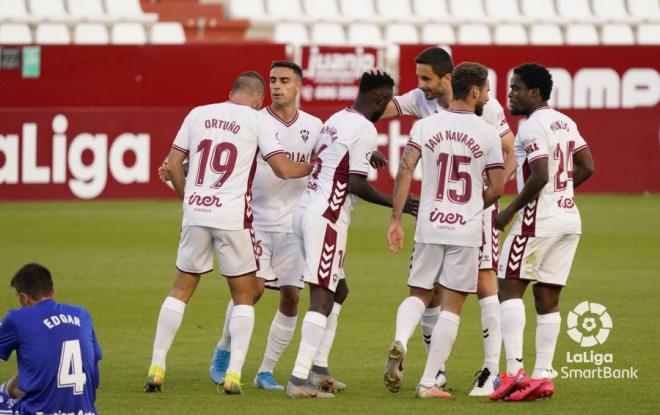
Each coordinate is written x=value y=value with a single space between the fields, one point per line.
x=409 y=160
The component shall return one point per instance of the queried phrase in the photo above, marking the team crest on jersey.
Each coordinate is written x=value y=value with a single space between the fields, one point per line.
x=304 y=134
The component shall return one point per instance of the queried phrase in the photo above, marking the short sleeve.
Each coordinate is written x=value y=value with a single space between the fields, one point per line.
x=182 y=139
x=580 y=142
x=269 y=144
x=494 y=115
x=494 y=157
x=408 y=103
x=359 y=153
x=415 y=139
x=533 y=141
x=8 y=337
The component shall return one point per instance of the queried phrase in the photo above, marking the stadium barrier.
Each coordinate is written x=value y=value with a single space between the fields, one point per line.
x=87 y=122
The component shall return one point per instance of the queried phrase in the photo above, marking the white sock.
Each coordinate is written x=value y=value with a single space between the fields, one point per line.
x=225 y=340
x=169 y=321
x=429 y=318
x=442 y=341
x=547 y=331
x=279 y=336
x=492 y=332
x=513 y=327
x=240 y=330
x=321 y=358
x=313 y=328
x=407 y=317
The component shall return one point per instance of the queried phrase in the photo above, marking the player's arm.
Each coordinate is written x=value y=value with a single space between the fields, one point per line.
x=510 y=163
x=390 y=111
x=12 y=388
x=174 y=170
x=404 y=175
x=495 y=190
x=287 y=169
x=538 y=177
x=583 y=166
x=360 y=187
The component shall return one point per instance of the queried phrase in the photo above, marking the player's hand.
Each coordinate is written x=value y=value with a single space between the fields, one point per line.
x=395 y=236
x=503 y=219
x=377 y=160
x=412 y=206
x=162 y=173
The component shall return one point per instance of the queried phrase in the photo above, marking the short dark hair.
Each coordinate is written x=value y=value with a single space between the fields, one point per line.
x=438 y=58
x=536 y=76
x=245 y=81
x=375 y=79
x=465 y=76
x=34 y=280
x=288 y=64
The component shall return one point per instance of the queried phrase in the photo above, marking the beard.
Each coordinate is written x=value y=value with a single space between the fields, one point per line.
x=479 y=109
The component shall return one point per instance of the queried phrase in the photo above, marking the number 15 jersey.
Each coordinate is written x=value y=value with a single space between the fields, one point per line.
x=222 y=141
x=457 y=148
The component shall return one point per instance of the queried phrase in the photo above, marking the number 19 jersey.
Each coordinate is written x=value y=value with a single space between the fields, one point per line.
x=551 y=135
x=457 y=148
x=222 y=142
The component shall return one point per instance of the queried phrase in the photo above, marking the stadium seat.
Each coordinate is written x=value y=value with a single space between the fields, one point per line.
x=581 y=34
x=576 y=11
x=438 y=34
x=253 y=10
x=617 y=34
x=50 y=10
x=291 y=33
x=91 y=10
x=15 y=11
x=168 y=33
x=545 y=34
x=367 y=34
x=648 y=34
x=645 y=10
x=15 y=34
x=612 y=10
x=510 y=34
x=540 y=11
x=401 y=33
x=474 y=34
x=128 y=33
x=129 y=10
x=434 y=11
x=396 y=11
x=362 y=10
x=469 y=11
x=324 y=10
x=504 y=11
x=286 y=9
x=52 y=34
x=328 y=34
x=91 y=34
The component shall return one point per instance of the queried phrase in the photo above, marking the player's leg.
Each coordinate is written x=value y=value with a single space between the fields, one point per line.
x=194 y=257
x=320 y=374
x=430 y=316
x=238 y=262
x=426 y=264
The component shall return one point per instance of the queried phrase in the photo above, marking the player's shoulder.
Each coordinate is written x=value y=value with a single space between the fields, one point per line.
x=310 y=119
x=415 y=94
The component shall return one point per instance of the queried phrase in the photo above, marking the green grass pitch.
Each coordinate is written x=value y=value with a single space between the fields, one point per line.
x=117 y=259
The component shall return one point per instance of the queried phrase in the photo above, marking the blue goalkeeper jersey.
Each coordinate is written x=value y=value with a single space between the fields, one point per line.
x=57 y=355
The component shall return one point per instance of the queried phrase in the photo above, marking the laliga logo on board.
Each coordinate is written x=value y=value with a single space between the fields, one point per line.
x=589 y=324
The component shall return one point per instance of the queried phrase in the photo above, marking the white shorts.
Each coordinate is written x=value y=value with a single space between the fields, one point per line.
x=280 y=260
x=490 y=250
x=323 y=246
x=453 y=267
x=235 y=251
x=543 y=259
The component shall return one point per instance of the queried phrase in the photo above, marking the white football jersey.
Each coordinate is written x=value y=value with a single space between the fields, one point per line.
x=457 y=148
x=221 y=141
x=552 y=135
x=415 y=103
x=346 y=142
x=274 y=199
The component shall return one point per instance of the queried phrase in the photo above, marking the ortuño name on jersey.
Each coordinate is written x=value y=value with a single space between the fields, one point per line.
x=223 y=125
x=457 y=136
x=55 y=320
